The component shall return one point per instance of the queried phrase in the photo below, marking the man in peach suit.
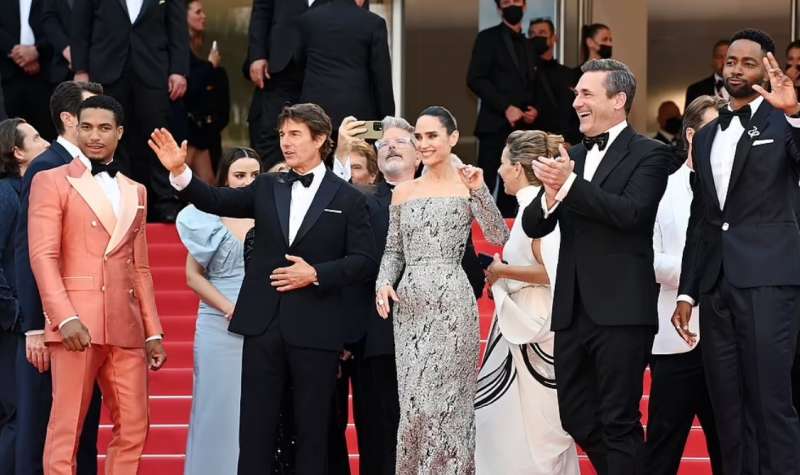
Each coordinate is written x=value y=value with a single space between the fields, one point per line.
x=88 y=252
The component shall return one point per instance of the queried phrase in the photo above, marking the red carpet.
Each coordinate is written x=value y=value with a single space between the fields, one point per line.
x=171 y=388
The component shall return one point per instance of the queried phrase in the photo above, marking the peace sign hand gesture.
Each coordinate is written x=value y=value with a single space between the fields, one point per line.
x=783 y=95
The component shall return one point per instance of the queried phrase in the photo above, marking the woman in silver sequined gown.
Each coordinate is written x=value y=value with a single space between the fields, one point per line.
x=436 y=332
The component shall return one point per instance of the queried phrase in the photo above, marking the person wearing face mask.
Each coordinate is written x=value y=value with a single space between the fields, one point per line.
x=553 y=83
x=596 y=42
x=501 y=73
x=669 y=123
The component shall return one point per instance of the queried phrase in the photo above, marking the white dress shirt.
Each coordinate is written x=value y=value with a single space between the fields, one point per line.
x=669 y=239
x=342 y=169
x=301 y=196
x=134 y=8
x=593 y=158
x=310 y=2
x=26 y=36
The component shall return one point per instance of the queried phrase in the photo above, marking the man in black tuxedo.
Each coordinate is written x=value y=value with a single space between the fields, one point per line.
x=139 y=51
x=313 y=238
x=501 y=75
x=56 y=23
x=605 y=303
x=345 y=53
x=3 y=115
x=34 y=386
x=712 y=85
x=742 y=261
x=24 y=62
x=273 y=68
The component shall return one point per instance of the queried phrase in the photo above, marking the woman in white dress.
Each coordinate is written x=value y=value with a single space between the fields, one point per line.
x=518 y=425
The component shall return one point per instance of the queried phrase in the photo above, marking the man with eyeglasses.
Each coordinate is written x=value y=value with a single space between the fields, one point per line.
x=374 y=378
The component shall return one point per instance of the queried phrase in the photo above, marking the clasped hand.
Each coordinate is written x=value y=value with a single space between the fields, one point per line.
x=298 y=275
x=553 y=172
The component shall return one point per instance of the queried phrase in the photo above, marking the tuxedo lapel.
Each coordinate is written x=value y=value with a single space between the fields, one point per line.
x=510 y=47
x=702 y=160
x=129 y=207
x=84 y=183
x=616 y=152
x=124 y=5
x=327 y=190
x=757 y=124
x=578 y=155
x=283 y=197
x=146 y=5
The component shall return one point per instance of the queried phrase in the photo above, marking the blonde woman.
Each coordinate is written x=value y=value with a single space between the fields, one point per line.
x=518 y=425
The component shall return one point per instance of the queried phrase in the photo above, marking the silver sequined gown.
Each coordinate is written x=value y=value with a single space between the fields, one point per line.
x=436 y=332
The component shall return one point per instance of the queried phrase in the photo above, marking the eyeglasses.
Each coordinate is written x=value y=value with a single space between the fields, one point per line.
x=379 y=144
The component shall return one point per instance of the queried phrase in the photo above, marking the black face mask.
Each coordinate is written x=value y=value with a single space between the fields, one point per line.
x=513 y=14
x=539 y=45
x=605 y=51
x=673 y=125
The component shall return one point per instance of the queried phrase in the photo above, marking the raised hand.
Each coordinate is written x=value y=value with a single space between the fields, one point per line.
x=783 y=95
x=471 y=176
x=171 y=156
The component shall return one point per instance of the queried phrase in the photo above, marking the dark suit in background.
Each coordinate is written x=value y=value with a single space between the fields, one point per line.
x=34 y=389
x=56 y=23
x=3 y=115
x=742 y=265
x=26 y=95
x=273 y=36
x=501 y=75
x=133 y=61
x=554 y=96
x=605 y=305
x=345 y=53
x=703 y=87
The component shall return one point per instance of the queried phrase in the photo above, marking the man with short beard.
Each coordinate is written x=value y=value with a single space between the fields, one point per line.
x=741 y=262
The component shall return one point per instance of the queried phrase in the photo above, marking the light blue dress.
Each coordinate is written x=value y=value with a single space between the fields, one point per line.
x=213 y=443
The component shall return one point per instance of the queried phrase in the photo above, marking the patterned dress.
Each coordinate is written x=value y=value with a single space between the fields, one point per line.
x=436 y=333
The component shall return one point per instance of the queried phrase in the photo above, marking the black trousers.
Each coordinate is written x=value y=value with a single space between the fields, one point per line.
x=600 y=371
x=29 y=97
x=8 y=401
x=490 y=148
x=749 y=344
x=376 y=411
x=34 y=398
x=338 y=455
x=269 y=364
x=146 y=108
x=678 y=393
x=282 y=89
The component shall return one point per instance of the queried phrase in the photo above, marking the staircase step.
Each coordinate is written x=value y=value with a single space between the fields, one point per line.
x=180 y=354
x=169 y=278
x=163 y=410
x=179 y=327
x=170 y=381
x=166 y=254
x=162 y=234
x=176 y=302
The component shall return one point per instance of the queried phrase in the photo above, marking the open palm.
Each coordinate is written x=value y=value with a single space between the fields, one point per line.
x=171 y=156
x=782 y=95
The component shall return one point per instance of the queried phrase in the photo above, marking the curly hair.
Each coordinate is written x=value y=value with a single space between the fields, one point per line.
x=758 y=36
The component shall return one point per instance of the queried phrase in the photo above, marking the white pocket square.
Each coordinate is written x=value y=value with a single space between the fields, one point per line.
x=762 y=142
x=337 y=211
x=162 y=2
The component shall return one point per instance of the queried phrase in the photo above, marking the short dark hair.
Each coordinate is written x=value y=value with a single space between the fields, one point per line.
x=315 y=118
x=589 y=31
x=794 y=44
x=497 y=2
x=543 y=20
x=720 y=43
x=10 y=137
x=104 y=102
x=619 y=78
x=758 y=36
x=67 y=97
x=228 y=160
x=693 y=119
x=444 y=116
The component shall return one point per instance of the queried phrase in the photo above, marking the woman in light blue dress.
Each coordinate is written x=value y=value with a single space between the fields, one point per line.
x=215 y=270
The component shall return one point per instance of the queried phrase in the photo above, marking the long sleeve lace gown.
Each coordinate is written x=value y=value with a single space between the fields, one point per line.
x=436 y=332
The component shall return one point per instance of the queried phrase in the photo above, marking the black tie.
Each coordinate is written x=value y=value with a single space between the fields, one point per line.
x=600 y=140
x=725 y=116
x=293 y=176
x=110 y=168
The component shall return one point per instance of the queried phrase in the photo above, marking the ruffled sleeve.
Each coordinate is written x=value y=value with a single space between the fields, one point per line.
x=201 y=233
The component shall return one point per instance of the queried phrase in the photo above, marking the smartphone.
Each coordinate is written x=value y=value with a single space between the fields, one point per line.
x=374 y=130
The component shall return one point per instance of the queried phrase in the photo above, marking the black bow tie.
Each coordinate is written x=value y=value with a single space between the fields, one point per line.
x=725 y=116
x=111 y=168
x=305 y=180
x=600 y=140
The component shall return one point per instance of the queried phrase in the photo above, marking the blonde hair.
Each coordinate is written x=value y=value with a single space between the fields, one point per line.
x=368 y=152
x=525 y=146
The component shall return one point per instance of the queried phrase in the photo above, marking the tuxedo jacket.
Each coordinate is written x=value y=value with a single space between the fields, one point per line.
x=273 y=32
x=56 y=22
x=107 y=45
x=88 y=262
x=31 y=314
x=496 y=76
x=755 y=237
x=9 y=37
x=606 y=252
x=335 y=237
x=703 y=87
x=345 y=52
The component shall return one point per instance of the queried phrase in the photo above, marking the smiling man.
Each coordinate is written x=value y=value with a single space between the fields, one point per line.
x=313 y=238
x=604 y=196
